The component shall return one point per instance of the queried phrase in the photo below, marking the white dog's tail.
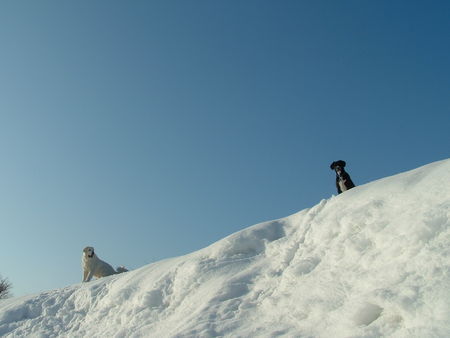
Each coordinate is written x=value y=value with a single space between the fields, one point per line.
x=121 y=269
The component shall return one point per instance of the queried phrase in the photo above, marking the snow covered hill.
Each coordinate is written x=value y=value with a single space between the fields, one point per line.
x=371 y=262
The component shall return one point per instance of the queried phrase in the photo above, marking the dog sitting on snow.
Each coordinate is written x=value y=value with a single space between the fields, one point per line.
x=95 y=267
x=343 y=180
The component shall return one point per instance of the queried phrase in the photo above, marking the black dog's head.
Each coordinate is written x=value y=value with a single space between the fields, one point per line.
x=337 y=164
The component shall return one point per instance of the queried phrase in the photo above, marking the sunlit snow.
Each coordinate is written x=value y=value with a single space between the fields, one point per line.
x=373 y=261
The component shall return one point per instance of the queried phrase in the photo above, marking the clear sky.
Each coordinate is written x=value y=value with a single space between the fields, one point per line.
x=151 y=129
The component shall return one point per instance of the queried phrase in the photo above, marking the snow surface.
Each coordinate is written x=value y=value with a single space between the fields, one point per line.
x=371 y=262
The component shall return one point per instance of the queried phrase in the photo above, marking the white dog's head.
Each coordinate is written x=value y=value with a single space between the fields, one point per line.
x=89 y=251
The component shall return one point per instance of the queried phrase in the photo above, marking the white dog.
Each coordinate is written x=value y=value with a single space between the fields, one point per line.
x=95 y=267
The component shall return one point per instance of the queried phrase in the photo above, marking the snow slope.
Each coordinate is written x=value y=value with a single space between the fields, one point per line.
x=371 y=262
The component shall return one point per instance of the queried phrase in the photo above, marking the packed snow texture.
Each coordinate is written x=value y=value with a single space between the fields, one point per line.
x=371 y=262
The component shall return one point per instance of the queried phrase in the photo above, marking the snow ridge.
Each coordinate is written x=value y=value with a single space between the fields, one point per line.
x=373 y=261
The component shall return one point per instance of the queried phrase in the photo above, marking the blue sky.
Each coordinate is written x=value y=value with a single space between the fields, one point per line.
x=150 y=129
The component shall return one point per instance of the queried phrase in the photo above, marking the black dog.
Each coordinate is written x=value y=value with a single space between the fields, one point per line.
x=343 y=180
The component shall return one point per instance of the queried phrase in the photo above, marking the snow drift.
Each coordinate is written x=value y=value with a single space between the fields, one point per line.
x=371 y=262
